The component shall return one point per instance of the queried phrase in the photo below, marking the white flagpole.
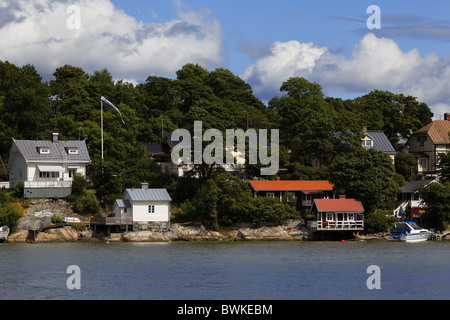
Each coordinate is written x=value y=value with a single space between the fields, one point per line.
x=101 y=103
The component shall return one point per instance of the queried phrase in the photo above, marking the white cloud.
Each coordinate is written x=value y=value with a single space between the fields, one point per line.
x=36 y=32
x=376 y=63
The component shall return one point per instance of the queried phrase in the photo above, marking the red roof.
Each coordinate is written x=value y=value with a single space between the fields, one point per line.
x=292 y=185
x=339 y=205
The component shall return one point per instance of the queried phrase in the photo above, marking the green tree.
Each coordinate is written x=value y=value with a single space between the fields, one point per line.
x=396 y=114
x=367 y=175
x=443 y=166
x=406 y=165
x=312 y=128
x=204 y=205
x=436 y=197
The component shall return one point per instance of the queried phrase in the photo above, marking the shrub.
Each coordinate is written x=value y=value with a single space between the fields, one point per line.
x=18 y=188
x=56 y=218
x=9 y=216
x=79 y=184
x=376 y=222
x=80 y=226
x=87 y=205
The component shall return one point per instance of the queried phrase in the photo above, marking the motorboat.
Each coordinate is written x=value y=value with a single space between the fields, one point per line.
x=409 y=231
x=4 y=231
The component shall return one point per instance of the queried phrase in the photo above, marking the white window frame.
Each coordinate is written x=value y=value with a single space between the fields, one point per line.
x=151 y=208
x=270 y=194
x=368 y=143
x=330 y=214
x=350 y=216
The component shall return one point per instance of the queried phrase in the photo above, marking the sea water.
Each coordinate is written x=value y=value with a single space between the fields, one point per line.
x=242 y=270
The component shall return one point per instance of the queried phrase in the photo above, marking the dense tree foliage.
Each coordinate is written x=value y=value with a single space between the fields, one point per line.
x=436 y=196
x=314 y=129
x=367 y=175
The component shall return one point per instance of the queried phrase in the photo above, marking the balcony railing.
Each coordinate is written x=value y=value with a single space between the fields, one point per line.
x=336 y=225
x=47 y=184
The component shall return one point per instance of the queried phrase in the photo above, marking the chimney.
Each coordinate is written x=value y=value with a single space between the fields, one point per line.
x=447 y=116
x=144 y=186
x=364 y=128
x=55 y=137
x=278 y=178
x=342 y=196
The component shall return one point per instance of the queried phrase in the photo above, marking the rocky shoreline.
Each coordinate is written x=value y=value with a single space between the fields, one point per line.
x=176 y=232
x=40 y=212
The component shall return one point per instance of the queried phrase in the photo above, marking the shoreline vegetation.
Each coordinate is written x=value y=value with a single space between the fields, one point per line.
x=41 y=214
x=184 y=232
x=320 y=138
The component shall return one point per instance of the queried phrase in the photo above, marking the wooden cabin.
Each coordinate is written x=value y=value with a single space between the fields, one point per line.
x=304 y=192
x=337 y=215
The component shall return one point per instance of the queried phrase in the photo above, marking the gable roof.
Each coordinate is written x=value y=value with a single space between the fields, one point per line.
x=291 y=185
x=380 y=141
x=438 y=131
x=154 y=148
x=338 y=205
x=148 y=194
x=58 y=150
x=412 y=186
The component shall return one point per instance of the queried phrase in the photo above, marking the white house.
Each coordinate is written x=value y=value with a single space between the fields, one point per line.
x=144 y=205
x=46 y=167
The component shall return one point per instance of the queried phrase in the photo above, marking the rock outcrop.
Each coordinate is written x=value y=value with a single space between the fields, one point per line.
x=196 y=232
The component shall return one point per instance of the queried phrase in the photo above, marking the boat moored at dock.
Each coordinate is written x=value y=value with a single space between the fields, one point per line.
x=409 y=231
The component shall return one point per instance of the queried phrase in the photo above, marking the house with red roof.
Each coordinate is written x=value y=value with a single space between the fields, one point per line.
x=339 y=214
x=304 y=192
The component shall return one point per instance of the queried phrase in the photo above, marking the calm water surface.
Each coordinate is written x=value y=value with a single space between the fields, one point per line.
x=230 y=270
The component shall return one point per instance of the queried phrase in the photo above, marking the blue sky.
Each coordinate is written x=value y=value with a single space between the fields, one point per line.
x=338 y=25
x=264 y=42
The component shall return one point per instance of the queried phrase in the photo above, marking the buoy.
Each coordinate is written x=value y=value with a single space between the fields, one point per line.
x=107 y=242
x=342 y=240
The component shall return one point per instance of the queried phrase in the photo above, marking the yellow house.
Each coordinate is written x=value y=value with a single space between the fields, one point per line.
x=427 y=142
x=378 y=140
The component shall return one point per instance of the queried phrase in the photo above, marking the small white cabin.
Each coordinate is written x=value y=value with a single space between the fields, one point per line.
x=144 y=205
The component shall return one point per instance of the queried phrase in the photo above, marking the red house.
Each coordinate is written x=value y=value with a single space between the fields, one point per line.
x=303 y=191
x=337 y=215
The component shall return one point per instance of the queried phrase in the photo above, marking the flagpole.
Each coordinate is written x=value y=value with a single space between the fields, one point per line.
x=101 y=103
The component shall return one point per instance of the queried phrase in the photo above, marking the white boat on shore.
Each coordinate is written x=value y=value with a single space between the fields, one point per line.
x=409 y=231
x=4 y=231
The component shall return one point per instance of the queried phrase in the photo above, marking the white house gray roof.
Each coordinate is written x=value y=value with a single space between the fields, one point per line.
x=148 y=194
x=380 y=141
x=58 y=150
x=123 y=203
x=412 y=186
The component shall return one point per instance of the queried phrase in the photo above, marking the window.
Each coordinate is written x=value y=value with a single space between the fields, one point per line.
x=367 y=143
x=151 y=209
x=47 y=174
x=72 y=172
x=271 y=194
x=422 y=163
x=72 y=150
x=44 y=150
x=330 y=217
x=351 y=217
x=421 y=140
